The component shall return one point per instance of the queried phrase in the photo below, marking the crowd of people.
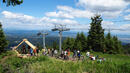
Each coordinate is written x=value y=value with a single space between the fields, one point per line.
x=29 y=50
x=54 y=53
x=92 y=57
x=63 y=54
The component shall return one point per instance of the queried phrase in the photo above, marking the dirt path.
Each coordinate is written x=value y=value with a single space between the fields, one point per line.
x=4 y=59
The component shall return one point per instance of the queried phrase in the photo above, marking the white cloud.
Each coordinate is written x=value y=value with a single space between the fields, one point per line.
x=103 y=5
x=65 y=8
x=69 y=12
x=109 y=8
x=19 y=17
x=12 y=20
x=22 y=21
x=125 y=29
x=127 y=17
x=107 y=24
x=127 y=1
x=115 y=28
x=18 y=21
x=127 y=11
x=59 y=21
x=110 y=15
x=16 y=15
x=125 y=26
x=59 y=14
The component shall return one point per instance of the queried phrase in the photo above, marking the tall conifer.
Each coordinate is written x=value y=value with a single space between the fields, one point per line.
x=3 y=41
x=96 y=34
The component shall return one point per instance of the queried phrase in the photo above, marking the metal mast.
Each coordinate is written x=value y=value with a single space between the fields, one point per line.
x=43 y=35
x=60 y=35
x=61 y=28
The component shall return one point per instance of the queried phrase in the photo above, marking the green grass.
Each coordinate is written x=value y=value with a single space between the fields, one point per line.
x=44 y=64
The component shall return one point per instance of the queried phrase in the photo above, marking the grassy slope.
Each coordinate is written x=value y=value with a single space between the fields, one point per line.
x=9 y=63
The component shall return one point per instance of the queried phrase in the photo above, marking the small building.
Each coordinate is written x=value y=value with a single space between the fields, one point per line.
x=23 y=54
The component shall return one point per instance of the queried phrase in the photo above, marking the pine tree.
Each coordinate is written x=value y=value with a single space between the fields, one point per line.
x=68 y=43
x=108 y=36
x=80 y=42
x=96 y=34
x=83 y=41
x=3 y=41
x=118 y=45
x=113 y=45
x=55 y=45
x=72 y=43
x=109 y=43
x=79 y=46
x=76 y=40
x=13 y=2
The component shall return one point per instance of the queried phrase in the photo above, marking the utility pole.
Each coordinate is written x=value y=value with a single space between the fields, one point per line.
x=44 y=36
x=60 y=44
x=61 y=28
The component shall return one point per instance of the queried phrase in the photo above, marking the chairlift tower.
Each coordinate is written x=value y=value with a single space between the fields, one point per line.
x=44 y=36
x=61 y=28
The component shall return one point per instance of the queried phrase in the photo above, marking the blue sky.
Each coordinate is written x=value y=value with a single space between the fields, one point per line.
x=76 y=14
x=37 y=8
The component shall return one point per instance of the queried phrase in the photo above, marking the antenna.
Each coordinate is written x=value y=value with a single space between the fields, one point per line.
x=60 y=28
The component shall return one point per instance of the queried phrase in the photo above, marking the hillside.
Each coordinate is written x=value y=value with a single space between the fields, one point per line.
x=9 y=63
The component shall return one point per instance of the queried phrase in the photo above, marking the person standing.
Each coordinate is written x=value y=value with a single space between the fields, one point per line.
x=52 y=52
x=37 y=50
x=44 y=51
x=31 y=52
x=49 y=51
x=74 y=53
x=55 y=52
x=62 y=54
x=78 y=54
x=87 y=54
x=29 y=49
x=23 y=49
x=34 y=51
x=68 y=53
x=65 y=54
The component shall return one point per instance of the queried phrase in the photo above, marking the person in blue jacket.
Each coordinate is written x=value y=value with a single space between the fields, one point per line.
x=31 y=51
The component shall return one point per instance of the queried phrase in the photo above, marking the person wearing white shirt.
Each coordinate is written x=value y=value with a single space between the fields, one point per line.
x=88 y=54
x=93 y=58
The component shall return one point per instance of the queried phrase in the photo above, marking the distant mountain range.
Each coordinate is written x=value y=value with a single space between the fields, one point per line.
x=33 y=34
